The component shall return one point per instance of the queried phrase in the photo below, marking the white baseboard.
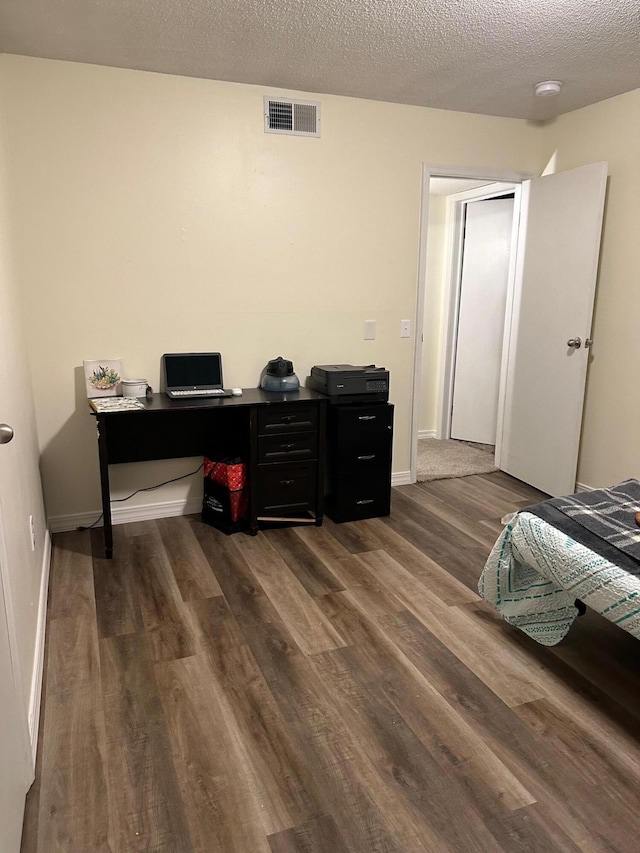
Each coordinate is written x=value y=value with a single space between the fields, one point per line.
x=35 y=695
x=401 y=478
x=581 y=487
x=426 y=433
x=124 y=514
x=163 y=509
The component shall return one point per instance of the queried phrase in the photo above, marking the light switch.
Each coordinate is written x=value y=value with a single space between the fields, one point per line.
x=369 y=330
x=405 y=328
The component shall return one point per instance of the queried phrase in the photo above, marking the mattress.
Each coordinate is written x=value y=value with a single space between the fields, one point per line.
x=535 y=573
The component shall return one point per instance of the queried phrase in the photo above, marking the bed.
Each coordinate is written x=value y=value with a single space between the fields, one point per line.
x=551 y=557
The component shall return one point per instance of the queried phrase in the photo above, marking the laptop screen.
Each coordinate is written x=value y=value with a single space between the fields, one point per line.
x=192 y=370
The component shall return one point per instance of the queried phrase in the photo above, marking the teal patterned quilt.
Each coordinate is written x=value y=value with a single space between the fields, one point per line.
x=535 y=573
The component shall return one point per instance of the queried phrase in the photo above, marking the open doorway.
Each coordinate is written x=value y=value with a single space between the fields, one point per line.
x=553 y=272
x=470 y=243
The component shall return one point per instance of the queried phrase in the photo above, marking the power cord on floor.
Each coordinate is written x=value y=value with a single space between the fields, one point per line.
x=145 y=489
x=90 y=526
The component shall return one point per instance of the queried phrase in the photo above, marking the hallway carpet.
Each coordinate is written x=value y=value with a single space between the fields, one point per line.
x=443 y=459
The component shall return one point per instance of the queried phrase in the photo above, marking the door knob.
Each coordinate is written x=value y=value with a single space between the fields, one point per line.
x=575 y=343
x=6 y=433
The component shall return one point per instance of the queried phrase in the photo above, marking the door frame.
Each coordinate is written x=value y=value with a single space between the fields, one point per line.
x=437 y=171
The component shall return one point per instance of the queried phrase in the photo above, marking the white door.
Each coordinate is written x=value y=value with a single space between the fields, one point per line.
x=553 y=304
x=15 y=767
x=481 y=315
x=18 y=589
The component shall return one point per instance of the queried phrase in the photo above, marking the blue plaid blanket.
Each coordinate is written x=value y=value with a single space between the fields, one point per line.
x=603 y=520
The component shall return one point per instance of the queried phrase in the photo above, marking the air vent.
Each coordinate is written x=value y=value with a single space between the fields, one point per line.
x=296 y=118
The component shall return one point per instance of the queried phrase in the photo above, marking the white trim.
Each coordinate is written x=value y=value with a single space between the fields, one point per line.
x=516 y=264
x=438 y=171
x=122 y=515
x=582 y=487
x=402 y=478
x=38 y=656
x=512 y=283
x=477 y=173
x=419 y=324
x=449 y=319
x=426 y=433
x=165 y=509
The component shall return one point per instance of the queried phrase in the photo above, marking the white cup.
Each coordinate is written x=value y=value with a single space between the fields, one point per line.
x=134 y=387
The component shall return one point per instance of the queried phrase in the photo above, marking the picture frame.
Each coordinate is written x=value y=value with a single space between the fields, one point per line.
x=103 y=377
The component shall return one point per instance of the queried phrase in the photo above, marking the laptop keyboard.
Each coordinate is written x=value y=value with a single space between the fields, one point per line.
x=211 y=392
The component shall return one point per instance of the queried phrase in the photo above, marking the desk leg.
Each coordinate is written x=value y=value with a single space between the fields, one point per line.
x=253 y=471
x=322 y=457
x=104 y=486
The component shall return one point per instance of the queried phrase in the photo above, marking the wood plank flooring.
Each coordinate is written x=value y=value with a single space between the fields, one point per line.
x=339 y=689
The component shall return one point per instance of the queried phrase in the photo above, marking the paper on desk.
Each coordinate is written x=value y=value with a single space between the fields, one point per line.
x=116 y=404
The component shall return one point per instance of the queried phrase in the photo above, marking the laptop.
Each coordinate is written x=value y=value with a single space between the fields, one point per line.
x=193 y=374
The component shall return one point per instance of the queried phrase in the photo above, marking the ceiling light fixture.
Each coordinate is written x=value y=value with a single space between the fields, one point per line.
x=548 y=87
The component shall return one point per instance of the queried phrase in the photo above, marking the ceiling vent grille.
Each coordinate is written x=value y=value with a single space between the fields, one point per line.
x=295 y=118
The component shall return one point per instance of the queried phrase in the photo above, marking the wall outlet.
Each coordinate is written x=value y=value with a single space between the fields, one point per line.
x=369 y=330
x=405 y=328
x=32 y=531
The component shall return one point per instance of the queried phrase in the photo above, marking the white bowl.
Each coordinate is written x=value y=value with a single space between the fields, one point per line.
x=134 y=387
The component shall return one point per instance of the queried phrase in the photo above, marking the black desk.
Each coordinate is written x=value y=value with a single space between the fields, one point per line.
x=280 y=435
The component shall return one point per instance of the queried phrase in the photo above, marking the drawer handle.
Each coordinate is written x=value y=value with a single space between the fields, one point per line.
x=287 y=447
x=367 y=417
x=363 y=502
x=366 y=458
x=287 y=419
x=287 y=482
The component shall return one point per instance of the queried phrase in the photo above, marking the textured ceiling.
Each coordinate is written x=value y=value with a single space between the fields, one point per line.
x=480 y=56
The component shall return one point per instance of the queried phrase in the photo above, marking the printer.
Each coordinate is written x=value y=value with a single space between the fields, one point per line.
x=348 y=383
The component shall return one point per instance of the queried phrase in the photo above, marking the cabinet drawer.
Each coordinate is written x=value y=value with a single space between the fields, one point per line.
x=365 y=496
x=283 y=419
x=286 y=487
x=363 y=420
x=362 y=453
x=283 y=448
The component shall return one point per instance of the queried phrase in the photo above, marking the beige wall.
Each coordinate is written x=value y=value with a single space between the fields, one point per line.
x=20 y=489
x=610 y=450
x=433 y=308
x=152 y=213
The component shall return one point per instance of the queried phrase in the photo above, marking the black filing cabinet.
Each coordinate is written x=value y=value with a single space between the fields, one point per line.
x=289 y=456
x=359 y=443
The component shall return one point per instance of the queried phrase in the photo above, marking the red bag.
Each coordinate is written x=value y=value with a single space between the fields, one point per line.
x=233 y=475
x=225 y=502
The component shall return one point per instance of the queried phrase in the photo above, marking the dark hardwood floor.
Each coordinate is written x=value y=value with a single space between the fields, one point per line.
x=323 y=690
